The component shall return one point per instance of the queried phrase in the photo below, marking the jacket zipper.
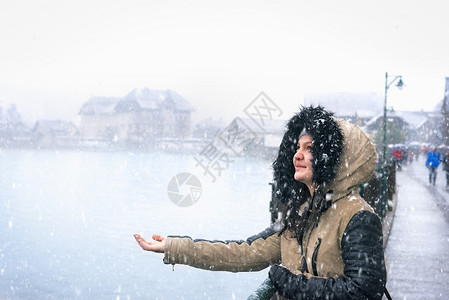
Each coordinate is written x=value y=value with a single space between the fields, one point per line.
x=313 y=221
x=314 y=257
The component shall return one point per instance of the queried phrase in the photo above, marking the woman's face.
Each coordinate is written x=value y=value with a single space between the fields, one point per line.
x=302 y=160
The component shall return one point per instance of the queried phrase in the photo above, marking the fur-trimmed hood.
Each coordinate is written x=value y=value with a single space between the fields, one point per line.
x=343 y=155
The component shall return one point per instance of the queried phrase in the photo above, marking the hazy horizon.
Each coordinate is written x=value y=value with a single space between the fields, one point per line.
x=219 y=55
x=369 y=104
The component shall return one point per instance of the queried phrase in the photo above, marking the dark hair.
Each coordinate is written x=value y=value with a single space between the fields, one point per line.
x=291 y=217
x=327 y=146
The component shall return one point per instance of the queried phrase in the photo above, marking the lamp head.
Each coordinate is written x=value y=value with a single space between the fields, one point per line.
x=400 y=84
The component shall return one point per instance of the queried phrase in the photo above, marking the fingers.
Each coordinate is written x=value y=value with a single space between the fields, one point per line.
x=142 y=243
x=157 y=246
x=139 y=238
x=158 y=238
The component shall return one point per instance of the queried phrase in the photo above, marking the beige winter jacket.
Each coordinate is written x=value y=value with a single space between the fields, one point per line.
x=322 y=244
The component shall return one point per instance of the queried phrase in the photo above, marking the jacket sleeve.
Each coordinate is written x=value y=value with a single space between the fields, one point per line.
x=364 y=272
x=254 y=254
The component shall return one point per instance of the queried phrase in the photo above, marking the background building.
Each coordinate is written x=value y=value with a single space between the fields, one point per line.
x=143 y=117
x=357 y=108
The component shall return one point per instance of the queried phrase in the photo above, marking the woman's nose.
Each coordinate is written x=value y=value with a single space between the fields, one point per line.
x=299 y=155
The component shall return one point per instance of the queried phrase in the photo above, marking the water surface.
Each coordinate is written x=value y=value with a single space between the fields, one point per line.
x=67 y=220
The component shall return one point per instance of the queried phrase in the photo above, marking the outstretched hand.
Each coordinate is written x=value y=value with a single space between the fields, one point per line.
x=157 y=246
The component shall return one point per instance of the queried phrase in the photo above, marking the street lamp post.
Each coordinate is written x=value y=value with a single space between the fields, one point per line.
x=383 y=188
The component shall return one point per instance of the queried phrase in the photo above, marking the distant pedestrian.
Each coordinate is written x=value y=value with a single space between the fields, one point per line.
x=410 y=155
x=398 y=156
x=446 y=168
x=432 y=162
x=416 y=153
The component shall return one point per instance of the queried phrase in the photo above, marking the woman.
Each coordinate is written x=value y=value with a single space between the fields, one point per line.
x=329 y=243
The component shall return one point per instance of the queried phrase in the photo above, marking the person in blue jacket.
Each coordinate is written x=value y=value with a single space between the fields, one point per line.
x=433 y=160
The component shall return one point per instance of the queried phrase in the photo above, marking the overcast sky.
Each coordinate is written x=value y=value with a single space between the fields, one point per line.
x=220 y=55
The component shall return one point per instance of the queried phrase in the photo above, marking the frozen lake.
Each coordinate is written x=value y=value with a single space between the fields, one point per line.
x=67 y=220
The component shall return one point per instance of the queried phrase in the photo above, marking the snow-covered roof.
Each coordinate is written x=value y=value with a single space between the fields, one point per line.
x=415 y=119
x=178 y=100
x=99 y=106
x=148 y=99
x=348 y=104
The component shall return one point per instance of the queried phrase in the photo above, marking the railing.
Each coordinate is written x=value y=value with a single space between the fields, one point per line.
x=372 y=190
